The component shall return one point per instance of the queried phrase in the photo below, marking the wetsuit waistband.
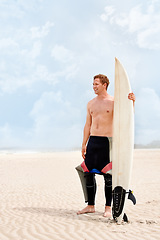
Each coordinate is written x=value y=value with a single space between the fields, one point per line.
x=99 y=139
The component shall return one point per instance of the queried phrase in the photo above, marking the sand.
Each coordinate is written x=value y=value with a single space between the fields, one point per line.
x=40 y=194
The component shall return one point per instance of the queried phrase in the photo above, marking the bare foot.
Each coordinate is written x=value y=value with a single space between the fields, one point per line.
x=107 y=212
x=88 y=209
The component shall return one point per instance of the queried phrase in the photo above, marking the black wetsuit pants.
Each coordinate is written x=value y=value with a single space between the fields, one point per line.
x=91 y=188
x=97 y=156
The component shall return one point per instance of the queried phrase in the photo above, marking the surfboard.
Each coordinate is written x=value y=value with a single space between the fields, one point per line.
x=123 y=141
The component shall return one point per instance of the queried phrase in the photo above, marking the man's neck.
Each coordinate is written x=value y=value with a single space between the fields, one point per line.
x=103 y=95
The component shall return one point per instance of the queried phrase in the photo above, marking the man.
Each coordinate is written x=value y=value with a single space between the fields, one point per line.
x=95 y=145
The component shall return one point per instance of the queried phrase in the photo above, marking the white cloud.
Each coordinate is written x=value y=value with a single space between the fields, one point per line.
x=71 y=71
x=109 y=10
x=32 y=74
x=144 y=27
x=68 y=59
x=36 y=50
x=135 y=20
x=41 y=32
x=51 y=104
x=62 y=54
x=12 y=76
x=6 y=43
x=56 y=122
x=46 y=103
x=20 y=55
x=17 y=9
x=10 y=9
x=19 y=58
x=149 y=38
x=9 y=84
x=42 y=73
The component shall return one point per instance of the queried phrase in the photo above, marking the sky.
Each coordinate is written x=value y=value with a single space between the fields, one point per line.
x=49 y=52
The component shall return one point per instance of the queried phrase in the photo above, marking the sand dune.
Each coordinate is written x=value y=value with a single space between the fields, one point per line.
x=40 y=194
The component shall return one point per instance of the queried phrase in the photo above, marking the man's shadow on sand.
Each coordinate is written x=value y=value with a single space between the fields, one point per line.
x=65 y=213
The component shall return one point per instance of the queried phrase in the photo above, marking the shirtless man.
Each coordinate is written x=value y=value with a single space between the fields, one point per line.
x=97 y=130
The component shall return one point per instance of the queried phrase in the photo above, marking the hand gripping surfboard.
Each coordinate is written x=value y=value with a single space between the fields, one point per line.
x=123 y=143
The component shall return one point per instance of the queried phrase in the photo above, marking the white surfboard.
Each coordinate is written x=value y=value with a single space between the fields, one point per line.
x=123 y=141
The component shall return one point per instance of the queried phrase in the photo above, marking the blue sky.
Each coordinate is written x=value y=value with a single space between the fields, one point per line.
x=50 y=51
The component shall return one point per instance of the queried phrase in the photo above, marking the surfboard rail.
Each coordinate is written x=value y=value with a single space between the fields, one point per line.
x=123 y=141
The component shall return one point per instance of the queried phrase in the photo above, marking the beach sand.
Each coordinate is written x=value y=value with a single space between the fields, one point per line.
x=40 y=194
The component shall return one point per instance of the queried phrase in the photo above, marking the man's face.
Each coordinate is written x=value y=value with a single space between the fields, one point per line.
x=98 y=87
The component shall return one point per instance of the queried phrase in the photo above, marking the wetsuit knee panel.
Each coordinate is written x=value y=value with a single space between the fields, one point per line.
x=108 y=180
x=90 y=179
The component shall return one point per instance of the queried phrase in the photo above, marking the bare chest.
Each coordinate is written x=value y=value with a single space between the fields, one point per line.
x=101 y=108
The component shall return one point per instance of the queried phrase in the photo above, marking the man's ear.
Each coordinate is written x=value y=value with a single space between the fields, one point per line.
x=105 y=84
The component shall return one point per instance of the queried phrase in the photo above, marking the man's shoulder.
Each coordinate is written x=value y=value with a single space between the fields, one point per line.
x=111 y=98
x=92 y=101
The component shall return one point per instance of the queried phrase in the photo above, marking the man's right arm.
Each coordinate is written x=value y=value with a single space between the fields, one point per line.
x=86 y=132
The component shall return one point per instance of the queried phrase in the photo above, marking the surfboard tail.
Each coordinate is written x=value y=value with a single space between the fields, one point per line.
x=118 y=201
x=119 y=197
